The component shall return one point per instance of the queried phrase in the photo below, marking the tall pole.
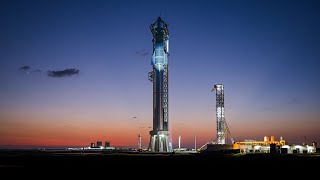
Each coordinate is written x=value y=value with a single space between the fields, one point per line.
x=139 y=141
x=195 y=142
x=179 y=142
x=159 y=136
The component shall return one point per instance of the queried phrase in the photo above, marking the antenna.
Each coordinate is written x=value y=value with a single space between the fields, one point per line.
x=195 y=142
x=179 y=142
x=139 y=141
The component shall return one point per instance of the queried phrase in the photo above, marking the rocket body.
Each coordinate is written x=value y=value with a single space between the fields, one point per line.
x=159 y=136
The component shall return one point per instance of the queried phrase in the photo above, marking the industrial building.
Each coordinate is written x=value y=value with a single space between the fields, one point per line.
x=270 y=145
x=96 y=146
x=267 y=145
x=99 y=143
x=107 y=144
x=251 y=146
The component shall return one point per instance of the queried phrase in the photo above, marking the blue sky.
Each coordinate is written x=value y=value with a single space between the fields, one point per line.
x=265 y=53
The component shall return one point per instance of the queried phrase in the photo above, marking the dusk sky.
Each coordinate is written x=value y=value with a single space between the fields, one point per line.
x=74 y=72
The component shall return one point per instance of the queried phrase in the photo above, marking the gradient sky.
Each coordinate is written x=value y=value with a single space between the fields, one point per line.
x=265 y=53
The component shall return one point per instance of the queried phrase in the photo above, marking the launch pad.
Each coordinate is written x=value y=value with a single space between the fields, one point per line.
x=159 y=141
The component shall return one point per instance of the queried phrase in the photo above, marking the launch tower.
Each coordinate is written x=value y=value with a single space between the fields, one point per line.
x=221 y=122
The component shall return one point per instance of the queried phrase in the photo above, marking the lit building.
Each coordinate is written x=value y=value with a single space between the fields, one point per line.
x=270 y=145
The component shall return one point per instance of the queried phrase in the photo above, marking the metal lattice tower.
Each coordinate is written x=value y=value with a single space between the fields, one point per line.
x=159 y=136
x=221 y=122
x=139 y=141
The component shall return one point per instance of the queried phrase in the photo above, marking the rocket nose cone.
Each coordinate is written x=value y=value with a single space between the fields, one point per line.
x=160 y=21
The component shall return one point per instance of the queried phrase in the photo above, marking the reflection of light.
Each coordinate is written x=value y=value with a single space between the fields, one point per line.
x=257 y=147
x=161 y=135
x=297 y=146
x=286 y=146
x=310 y=148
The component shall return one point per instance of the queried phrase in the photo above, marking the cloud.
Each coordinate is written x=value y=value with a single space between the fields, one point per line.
x=145 y=127
x=28 y=70
x=25 y=68
x=63 y=73
x=142 y=52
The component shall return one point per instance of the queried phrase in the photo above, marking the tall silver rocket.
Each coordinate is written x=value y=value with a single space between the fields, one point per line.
x=159 y=136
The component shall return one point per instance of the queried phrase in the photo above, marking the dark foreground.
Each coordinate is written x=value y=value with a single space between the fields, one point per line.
x=67 y=159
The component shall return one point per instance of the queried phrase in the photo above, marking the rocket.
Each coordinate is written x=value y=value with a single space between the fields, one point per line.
x=159 y=136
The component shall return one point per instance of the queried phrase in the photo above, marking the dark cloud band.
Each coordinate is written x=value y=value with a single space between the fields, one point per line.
x=25 y=68
x=63 y=73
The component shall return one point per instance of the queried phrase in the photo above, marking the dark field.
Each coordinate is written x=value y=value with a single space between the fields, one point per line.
x=67 y=159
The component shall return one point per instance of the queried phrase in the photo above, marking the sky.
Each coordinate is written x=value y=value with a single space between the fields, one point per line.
x=76 y=71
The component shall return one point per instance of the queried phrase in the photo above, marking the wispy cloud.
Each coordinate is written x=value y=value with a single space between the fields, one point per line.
x=142 y=52
x=25 y=68
x=63 y=73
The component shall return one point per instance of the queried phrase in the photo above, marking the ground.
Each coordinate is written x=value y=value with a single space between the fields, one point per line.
x=104 y=159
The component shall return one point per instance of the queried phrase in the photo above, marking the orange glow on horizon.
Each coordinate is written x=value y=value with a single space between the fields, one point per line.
x=35 y=130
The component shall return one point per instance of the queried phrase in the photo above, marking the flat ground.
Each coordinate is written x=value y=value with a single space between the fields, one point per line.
x=68 y=159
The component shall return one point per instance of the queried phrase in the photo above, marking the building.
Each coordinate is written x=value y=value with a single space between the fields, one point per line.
x=270 y=145
x=106 y=144
x=99 y=143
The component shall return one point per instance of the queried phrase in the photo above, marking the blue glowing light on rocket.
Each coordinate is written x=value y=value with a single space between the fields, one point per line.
x=160 y=44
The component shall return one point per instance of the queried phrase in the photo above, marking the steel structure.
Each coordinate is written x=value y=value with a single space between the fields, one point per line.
x=179 y=143
x=221 y=122
x=159 y=136
x=195 y=142
x=139 y=141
